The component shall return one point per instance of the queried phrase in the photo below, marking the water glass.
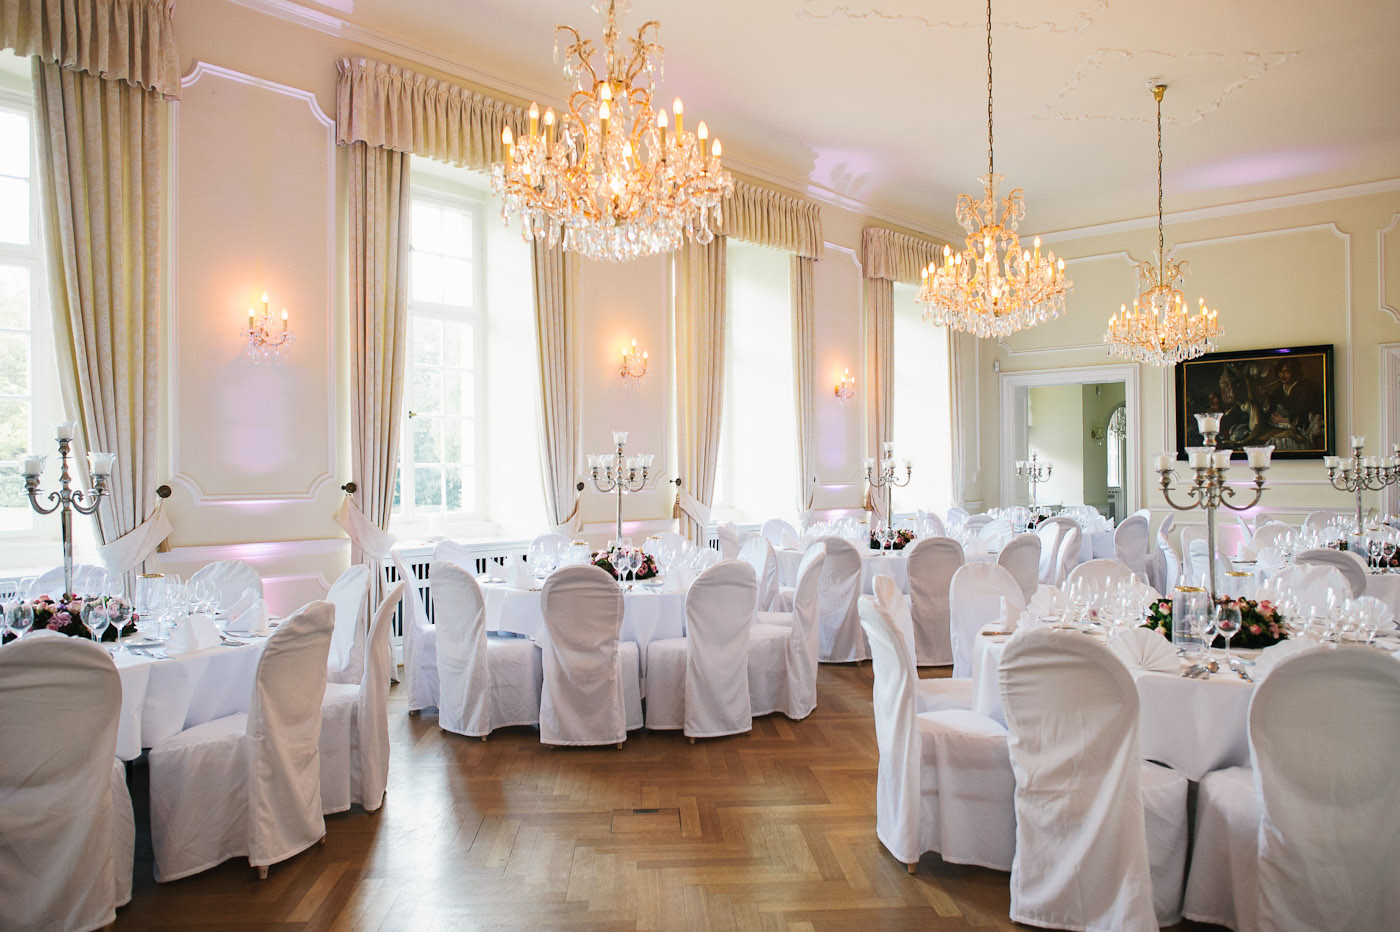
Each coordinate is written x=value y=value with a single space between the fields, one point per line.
x=1190 y=608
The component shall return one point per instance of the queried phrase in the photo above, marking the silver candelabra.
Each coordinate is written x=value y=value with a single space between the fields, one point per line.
x=1209 y=490
x=1362 y=474
x=1034 y=472
x=885 y=475
x=67 y=499
x=618 y=473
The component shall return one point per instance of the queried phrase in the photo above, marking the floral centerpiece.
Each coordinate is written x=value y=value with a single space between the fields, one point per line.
x=1380 y=561
x=65 y=615
x=646 y=571
x=1261 y=625
x=902 y=539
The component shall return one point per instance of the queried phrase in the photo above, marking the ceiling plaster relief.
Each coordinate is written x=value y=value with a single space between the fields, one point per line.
x=1080 y=18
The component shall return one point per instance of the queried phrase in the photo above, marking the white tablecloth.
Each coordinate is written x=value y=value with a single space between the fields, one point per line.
x=162 y=697
x=647 y=615
x=872 y=564
x=1386 y=587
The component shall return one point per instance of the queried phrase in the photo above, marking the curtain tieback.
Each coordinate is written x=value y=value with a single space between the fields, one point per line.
x=131 y=549
x=364 y=533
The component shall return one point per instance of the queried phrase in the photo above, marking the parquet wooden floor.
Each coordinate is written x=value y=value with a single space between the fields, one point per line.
x=774 y=830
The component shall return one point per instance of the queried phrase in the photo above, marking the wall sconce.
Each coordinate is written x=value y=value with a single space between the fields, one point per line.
x=634 y=367
x=846 y=388
x=265 y=340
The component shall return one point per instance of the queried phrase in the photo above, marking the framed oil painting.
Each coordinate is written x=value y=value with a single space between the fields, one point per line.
x=1284 y=396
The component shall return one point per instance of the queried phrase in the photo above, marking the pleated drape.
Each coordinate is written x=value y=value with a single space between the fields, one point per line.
x=803 y=288
x=379 y=236
x=100 y=160
x=700 y=312
x=556 y=323
x=879 y=369
x=132 y=41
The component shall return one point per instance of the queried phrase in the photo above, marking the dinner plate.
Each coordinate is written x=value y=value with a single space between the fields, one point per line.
x=135 y=641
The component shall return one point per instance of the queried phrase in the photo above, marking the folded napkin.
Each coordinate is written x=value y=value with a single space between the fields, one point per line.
x=1008 y=616
x=518 y=574
x=1145 y=649
x=1047 y=601
x=242 y=603
x=1270 y=559
x=195 y=632
x=249 y=615
x=1246 y=553
x=1379 y=610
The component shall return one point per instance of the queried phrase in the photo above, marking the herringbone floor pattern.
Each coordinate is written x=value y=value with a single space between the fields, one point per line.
x=774 y=830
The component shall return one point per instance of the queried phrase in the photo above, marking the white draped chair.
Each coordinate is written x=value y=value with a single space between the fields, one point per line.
x=956 y=516
x=841 y=637
x=1049 y=534
x=1102 y=573
x=87 y=578
x=997 y=533
x=975 y=523
x=1165 y=566
x=1068 y=558
x=1317 y=520
x=944 y=780
x=354 y=740
x=975 y=597
x=349 y=594
x=700 y=682
x=1268 y=535
x=1100 y=834
x=591 y=693
x=249 y=785
x=231 y=578
x=485 y=682
x=1130 y=544
x=1312 y=584
x=1351 y=566
x=67 y=835
x=1021 y=558
x=728 y=536
x=1310 y=838
x=779 y=532
x=783 y=647
x=450 y=551
x=419 y=650
x=932 y=563
x=558 y=541
x=758 y=553
x=932 y=694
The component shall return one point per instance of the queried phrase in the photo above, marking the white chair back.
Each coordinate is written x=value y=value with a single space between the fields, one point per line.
x=1166 y=566
x=1102 y=573
x=1317 y=520
x=956 y=517
x=372 y=712
x=1049 y=534
x=59 y=702
x=551 y=539
x=1311 y=583
x=1068 y=558
x=1021 y=557
x=419 y=666
x=1268 y=535
x=1329 y=833
x=449 y=551
x=996 y=532
x=1072 y=712
x=719 y=610
x=839 y=618
x=1130 y=543
x=1352 y=567
x=778 y=532
x=231 y=578
x=804 y=643
x=581 y=702
x=350 y=595
x=464 y=676
x=728 y=536
x=932 y=563
x=758 y=553
x=87 y=578
x=976 y=593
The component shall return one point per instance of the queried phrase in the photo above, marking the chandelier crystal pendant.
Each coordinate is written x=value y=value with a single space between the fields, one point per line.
x=992 y=287
x=1158 y=330
x=610 y=179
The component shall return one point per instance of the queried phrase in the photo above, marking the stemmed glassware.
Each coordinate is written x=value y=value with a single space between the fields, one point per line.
x=96 y=618
x=1227 y=624
x=19 y=617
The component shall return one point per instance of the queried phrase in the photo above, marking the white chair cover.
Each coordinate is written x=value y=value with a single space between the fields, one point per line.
x=231 y=578
x=419 y=662
x=484 y=683
x=1317 y=520
x=944 y=779
x=1102 y=573
x=975 y=523
x=249 y=785
x=997 y=533
x=932 y=563
x=1049 y=534
x=450 y=551
x=1165 y=568
x=66 y=828
x=758 y=553
x=1021 y=558
x=86 y=579
x=583 y=701
x=558 y=540
x=1082 y=810
x=354 y=738
x=349 y=594
x=1268 y=535
x=1311 y=583
x=1068 y=558
x=777 y=532
x=783 y=648
x=1130 y=543
x=841 y=637
x=1352 y=567
x=956 y=516
x=700 y=682
x=728 y=536
x=975 y=596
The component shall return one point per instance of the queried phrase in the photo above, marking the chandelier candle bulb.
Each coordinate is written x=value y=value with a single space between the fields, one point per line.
x=679 y=110
x=702 y=133
x=534 y=119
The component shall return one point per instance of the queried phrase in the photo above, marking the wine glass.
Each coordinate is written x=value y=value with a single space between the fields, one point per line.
x=96 y=618
x=1227 y=624
x=20 y=618
x=1206 y=621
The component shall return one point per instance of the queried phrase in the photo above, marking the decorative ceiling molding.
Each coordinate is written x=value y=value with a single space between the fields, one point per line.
x=1151 y=62
x=1083 y=18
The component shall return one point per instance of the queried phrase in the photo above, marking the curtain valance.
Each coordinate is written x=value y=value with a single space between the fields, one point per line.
x=120 y=40
x=389 y=107
x=896 y=257
x=766 y=217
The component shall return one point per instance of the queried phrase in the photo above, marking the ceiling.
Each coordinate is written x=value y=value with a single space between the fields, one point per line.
x=884 y=101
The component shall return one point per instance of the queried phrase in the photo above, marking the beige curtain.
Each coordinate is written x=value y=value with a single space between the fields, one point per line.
x=804 y=298
x=556 y=326
x=700 y=308
x=379 y=230
x=100 y=162
x=757 y=214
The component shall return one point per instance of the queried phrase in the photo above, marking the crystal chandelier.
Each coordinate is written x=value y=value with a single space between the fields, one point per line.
x=993 y=287
x=607 y=178
x=1158 y=330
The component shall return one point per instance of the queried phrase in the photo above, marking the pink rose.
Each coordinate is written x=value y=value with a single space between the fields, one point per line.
x=75 y=607
x=1254 y=629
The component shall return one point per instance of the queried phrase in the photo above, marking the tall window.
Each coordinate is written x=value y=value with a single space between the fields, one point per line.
x=757 y=470
x=923 y=422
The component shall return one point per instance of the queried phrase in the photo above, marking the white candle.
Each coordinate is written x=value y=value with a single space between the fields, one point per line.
x=889 y=449
x=33 y=465
x=1208 y=423
x=65 y=430
x=619 y=436
x=1358 y=441
x=869 y=464
x=1199 y=459
x=1165 y=461
x=101 y=463
x=1222 y=459
x=1259 y=457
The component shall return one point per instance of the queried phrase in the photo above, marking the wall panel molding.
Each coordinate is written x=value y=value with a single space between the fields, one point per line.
x=1381 y=256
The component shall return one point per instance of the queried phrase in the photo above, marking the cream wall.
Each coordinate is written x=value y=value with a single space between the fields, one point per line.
x=1056 y=415
x=1291 y=274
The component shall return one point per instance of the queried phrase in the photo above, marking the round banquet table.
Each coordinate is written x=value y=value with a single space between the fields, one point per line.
x=872 y=564
x=162 y=696
x=647 y=614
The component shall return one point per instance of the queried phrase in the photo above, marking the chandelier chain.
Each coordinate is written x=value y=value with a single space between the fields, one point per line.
x=1161 y=238
x=990 y=150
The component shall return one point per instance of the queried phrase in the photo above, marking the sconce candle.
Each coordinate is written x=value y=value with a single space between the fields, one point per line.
x=33 y=465
x=846 y=387
x=634 y=366
x=265 y=342
x=65 y=430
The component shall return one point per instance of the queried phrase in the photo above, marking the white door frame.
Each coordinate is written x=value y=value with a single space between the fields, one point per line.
x=1072 y=375
x=1390 y=414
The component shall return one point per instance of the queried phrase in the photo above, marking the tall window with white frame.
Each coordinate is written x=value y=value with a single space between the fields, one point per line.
x=923 y=410
x=757 y=471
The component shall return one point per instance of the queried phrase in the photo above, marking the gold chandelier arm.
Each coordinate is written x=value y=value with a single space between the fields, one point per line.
x=581 y=50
